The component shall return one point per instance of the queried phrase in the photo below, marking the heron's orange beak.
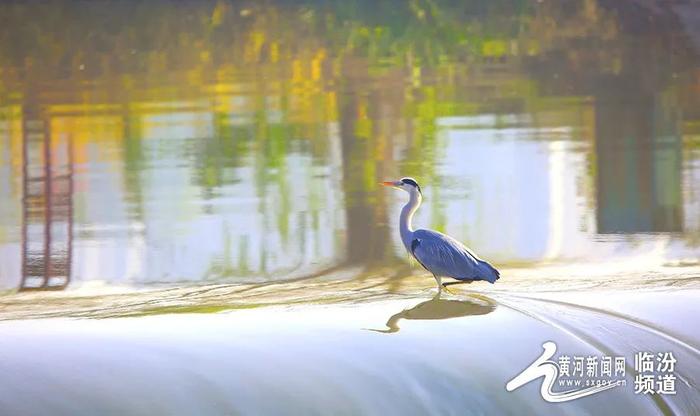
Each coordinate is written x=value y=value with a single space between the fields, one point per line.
x=387 y=183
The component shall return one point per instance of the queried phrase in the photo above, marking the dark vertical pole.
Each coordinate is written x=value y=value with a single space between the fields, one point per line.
x=69 y=260
x=367 y=236
x=47 y=205
x=25 y=196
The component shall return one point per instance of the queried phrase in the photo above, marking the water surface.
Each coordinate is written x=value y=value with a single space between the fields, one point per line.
x=243 y=142
x=449 y=356
x=190 y=221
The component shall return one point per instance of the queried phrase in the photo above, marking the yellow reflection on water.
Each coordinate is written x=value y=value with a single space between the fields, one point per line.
x=231 y=143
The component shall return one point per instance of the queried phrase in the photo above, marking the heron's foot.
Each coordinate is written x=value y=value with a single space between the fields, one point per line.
x=444 y=286
x=459 y=282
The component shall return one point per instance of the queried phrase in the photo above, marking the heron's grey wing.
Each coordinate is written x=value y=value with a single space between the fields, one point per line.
x=442 y=255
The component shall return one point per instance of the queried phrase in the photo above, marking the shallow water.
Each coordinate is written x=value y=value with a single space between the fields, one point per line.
x=342 y=346
x=448 y=356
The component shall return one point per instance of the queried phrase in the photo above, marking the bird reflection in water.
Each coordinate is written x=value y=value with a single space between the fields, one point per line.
x=437 y=308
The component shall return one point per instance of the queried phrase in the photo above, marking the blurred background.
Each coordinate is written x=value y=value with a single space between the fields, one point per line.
x=162 y=142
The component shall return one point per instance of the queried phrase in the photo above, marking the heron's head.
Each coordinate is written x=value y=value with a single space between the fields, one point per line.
x=405 y=184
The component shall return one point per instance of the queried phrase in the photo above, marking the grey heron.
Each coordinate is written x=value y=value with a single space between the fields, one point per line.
x=440 y=254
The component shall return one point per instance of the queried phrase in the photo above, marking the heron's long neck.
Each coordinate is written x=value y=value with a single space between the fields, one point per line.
x=406 y=216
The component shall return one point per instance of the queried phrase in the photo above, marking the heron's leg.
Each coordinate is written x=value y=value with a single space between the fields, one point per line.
x=442 y=285
x=438 y=279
